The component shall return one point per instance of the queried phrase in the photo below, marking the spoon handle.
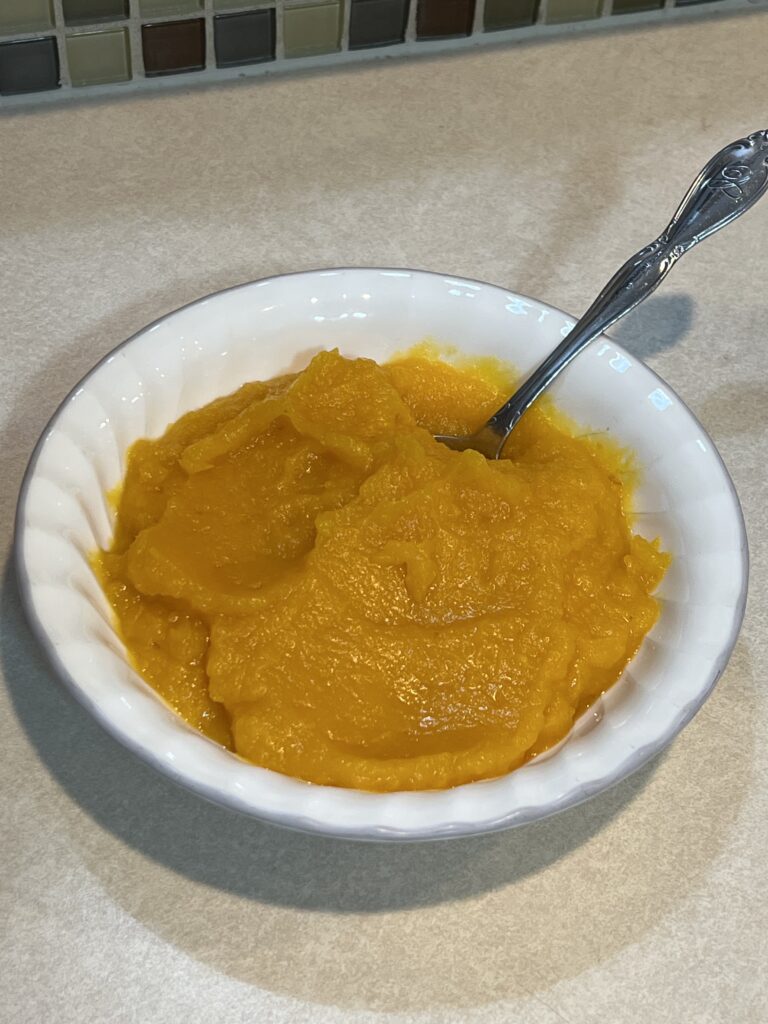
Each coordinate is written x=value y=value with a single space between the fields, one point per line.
x=730 y=183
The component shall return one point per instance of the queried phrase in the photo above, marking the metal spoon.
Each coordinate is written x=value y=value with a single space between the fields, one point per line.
x=731 y=182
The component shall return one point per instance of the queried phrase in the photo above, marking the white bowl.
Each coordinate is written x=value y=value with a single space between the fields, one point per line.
x=262 y=329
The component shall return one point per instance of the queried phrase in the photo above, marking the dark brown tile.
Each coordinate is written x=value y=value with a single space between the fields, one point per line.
x=171 y=47
x=441 y=19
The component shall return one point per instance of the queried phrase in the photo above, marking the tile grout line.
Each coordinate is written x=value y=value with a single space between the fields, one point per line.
x=61 y=43
x=279 y=32
x=134 y=36
x=346 y=14
x=410 y=27
x=210 y=45
x=478 y=22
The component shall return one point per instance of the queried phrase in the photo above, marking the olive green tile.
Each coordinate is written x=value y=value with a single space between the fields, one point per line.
x=160 y=8
x=25 y=16
x=309 y=29
x=98 y=57
x=572 y=10
x=500 y=14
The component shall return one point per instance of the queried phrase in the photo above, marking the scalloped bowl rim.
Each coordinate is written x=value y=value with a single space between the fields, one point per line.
x=479 y=807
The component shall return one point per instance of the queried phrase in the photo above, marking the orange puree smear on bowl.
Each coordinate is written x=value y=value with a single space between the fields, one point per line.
x=310 y=579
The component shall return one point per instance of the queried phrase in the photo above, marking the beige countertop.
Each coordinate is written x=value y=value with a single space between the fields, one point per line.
x=541 y=167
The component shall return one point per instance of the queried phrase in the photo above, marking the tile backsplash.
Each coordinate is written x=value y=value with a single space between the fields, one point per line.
x=58 y=48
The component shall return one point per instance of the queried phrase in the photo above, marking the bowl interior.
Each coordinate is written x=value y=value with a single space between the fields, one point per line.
x=269 y=327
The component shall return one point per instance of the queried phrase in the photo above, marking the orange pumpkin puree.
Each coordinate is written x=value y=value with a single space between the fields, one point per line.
x=310 y=579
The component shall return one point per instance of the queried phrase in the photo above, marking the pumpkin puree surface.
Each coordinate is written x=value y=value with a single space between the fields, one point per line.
x=306 y=576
